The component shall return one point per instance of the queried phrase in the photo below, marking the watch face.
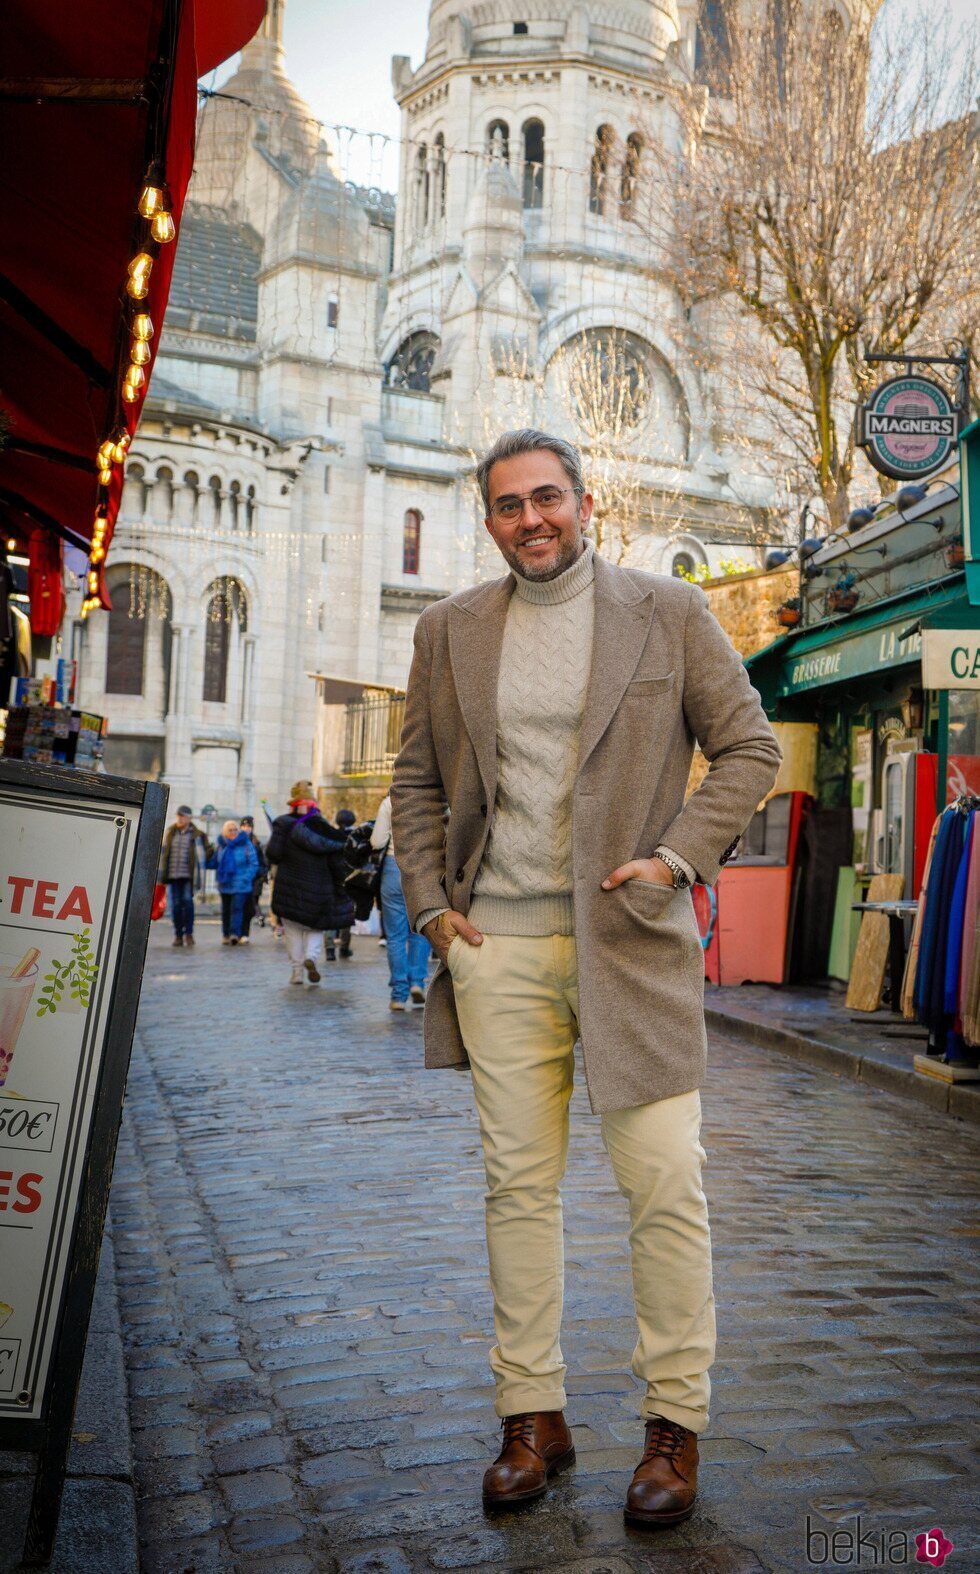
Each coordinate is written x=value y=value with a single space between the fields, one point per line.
x=681 y=881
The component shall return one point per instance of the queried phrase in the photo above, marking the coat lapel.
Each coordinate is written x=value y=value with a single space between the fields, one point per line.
x=623 y=612
x=476 y=633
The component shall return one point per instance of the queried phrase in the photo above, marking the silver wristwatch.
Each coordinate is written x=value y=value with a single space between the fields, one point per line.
x=681 y=879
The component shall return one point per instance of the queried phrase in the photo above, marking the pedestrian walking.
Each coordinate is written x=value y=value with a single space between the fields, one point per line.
x=308 y=893
x=408 y=951
x=337 y=941
x=236 y=863
x=252 y=902
x=183 y=857
x=561 y=732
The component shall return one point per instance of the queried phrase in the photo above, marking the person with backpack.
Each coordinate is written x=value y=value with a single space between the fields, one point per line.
x=308 y=895
x=236 y=863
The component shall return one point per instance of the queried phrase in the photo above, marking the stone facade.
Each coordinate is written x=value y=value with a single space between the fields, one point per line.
x=301 y=483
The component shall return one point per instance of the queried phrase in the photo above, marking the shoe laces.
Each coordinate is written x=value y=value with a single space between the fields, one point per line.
x=519 y=1428
x=665 y=1439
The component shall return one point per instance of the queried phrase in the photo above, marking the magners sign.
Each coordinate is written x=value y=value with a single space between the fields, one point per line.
x=908 y=427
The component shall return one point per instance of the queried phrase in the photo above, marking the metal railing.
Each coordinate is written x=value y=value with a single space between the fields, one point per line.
x=372 y=728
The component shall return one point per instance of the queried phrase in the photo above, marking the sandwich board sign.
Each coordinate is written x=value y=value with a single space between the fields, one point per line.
x=78 y=859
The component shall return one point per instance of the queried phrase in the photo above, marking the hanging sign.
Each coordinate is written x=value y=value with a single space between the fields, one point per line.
x=951 y=658
x=908 y=427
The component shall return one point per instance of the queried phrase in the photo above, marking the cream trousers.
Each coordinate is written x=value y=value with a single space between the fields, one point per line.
x=517 y=1002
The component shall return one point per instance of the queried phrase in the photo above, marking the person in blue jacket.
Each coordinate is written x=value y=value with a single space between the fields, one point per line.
x=236 y=862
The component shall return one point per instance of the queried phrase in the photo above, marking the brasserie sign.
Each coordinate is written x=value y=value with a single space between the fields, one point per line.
x=908 y=427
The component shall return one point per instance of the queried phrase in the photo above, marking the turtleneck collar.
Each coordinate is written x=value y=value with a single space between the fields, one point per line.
x=550 y=592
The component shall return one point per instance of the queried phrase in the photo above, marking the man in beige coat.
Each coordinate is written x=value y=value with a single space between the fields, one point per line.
x=556 y=710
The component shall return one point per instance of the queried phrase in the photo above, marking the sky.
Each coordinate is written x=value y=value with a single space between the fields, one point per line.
x=338 y=53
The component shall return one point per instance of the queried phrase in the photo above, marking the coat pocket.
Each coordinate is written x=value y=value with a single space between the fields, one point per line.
x=642 y=686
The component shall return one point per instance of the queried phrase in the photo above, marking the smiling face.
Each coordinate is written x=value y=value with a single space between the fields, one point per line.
x=537 y=545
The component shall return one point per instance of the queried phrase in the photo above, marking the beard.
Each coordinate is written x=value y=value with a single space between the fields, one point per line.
x=568 y=553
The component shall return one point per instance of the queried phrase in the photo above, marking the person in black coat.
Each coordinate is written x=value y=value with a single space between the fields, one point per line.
x=308 y=896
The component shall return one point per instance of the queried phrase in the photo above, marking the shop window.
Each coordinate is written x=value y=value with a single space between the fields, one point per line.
x=533 y=134
x=599 y=169
x=498 y=140
x=126 y=641
x=411 y=541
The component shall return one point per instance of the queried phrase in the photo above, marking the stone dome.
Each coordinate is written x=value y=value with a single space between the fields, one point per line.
x=321 y=221
x=633 y=32
x=260 y=103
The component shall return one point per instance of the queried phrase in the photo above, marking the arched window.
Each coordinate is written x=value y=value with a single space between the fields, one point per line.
x=234 y=497
x=411 y=541
x=439 y=175
x=214 y=487
x=533 y=134
x=712 y=47
x=599 y=169
x=498 y=140
x=411 y=364
x=250 y=510
x=125 y=641
x=192 y=482
x=682 y=565
x=421 y=187
x=631 y=173
x=226 y=603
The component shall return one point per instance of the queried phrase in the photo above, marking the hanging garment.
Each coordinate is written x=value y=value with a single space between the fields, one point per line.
x=954 y=942
x=930 y=981
x=969 y=997
x=911 y=961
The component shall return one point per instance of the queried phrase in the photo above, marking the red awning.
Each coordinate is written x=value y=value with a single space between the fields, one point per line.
x=91 y=96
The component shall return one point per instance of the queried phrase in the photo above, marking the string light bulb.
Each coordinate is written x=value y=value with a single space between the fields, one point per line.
x=138 y=286
x=129 y=392
x=154 y=195
x=136 y=375
x=119 y=451
x=142 y=326
x=105 y=475
x=162 y=227
x=140 y=352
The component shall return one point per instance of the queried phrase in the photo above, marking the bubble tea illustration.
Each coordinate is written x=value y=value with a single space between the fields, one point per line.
x=18 y=976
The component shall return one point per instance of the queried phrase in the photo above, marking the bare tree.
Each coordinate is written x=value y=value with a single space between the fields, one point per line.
x=819 y=203
x=598 y=391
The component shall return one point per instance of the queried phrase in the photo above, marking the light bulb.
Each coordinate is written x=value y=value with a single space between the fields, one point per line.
x=138 y=286
x=129 y=393
x=97 y=553
x=119 y=452
x=140 y=352
x=142 y=326
x=93 y=581
x=136 y=376
x=106 y=450
x=141 y=263
x=154 y=193
x=163 y=229
x=105 y=475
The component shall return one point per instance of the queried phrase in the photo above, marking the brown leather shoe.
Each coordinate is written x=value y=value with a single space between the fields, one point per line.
x=536 y=1445
x=665 y=1483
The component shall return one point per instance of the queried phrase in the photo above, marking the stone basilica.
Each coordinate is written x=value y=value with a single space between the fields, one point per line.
x=301 y=485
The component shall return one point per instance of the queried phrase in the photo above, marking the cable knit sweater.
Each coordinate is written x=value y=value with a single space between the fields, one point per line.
x=524 y=883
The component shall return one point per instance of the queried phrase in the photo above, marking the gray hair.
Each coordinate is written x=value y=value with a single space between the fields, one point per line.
x=528 y=440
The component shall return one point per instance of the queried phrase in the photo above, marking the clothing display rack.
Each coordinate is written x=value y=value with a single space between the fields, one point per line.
x=944 y=962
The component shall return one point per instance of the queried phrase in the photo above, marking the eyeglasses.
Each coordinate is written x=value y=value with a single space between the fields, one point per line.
x=544 y=499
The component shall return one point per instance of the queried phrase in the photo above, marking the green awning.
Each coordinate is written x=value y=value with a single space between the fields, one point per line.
x=877 y=639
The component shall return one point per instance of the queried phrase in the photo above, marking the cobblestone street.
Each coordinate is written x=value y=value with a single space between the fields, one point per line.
x=302 y=1272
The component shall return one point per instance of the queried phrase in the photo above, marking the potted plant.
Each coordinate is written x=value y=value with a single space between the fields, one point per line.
x=954 y=554
x=843 y=597
x=790 y=613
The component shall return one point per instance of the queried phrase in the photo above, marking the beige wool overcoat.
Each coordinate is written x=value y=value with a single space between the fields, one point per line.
x=663 y=674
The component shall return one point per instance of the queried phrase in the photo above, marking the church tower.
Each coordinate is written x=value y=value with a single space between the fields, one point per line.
x=525 y=131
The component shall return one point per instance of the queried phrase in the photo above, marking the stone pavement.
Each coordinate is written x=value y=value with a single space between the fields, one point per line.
x=301 y=1263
